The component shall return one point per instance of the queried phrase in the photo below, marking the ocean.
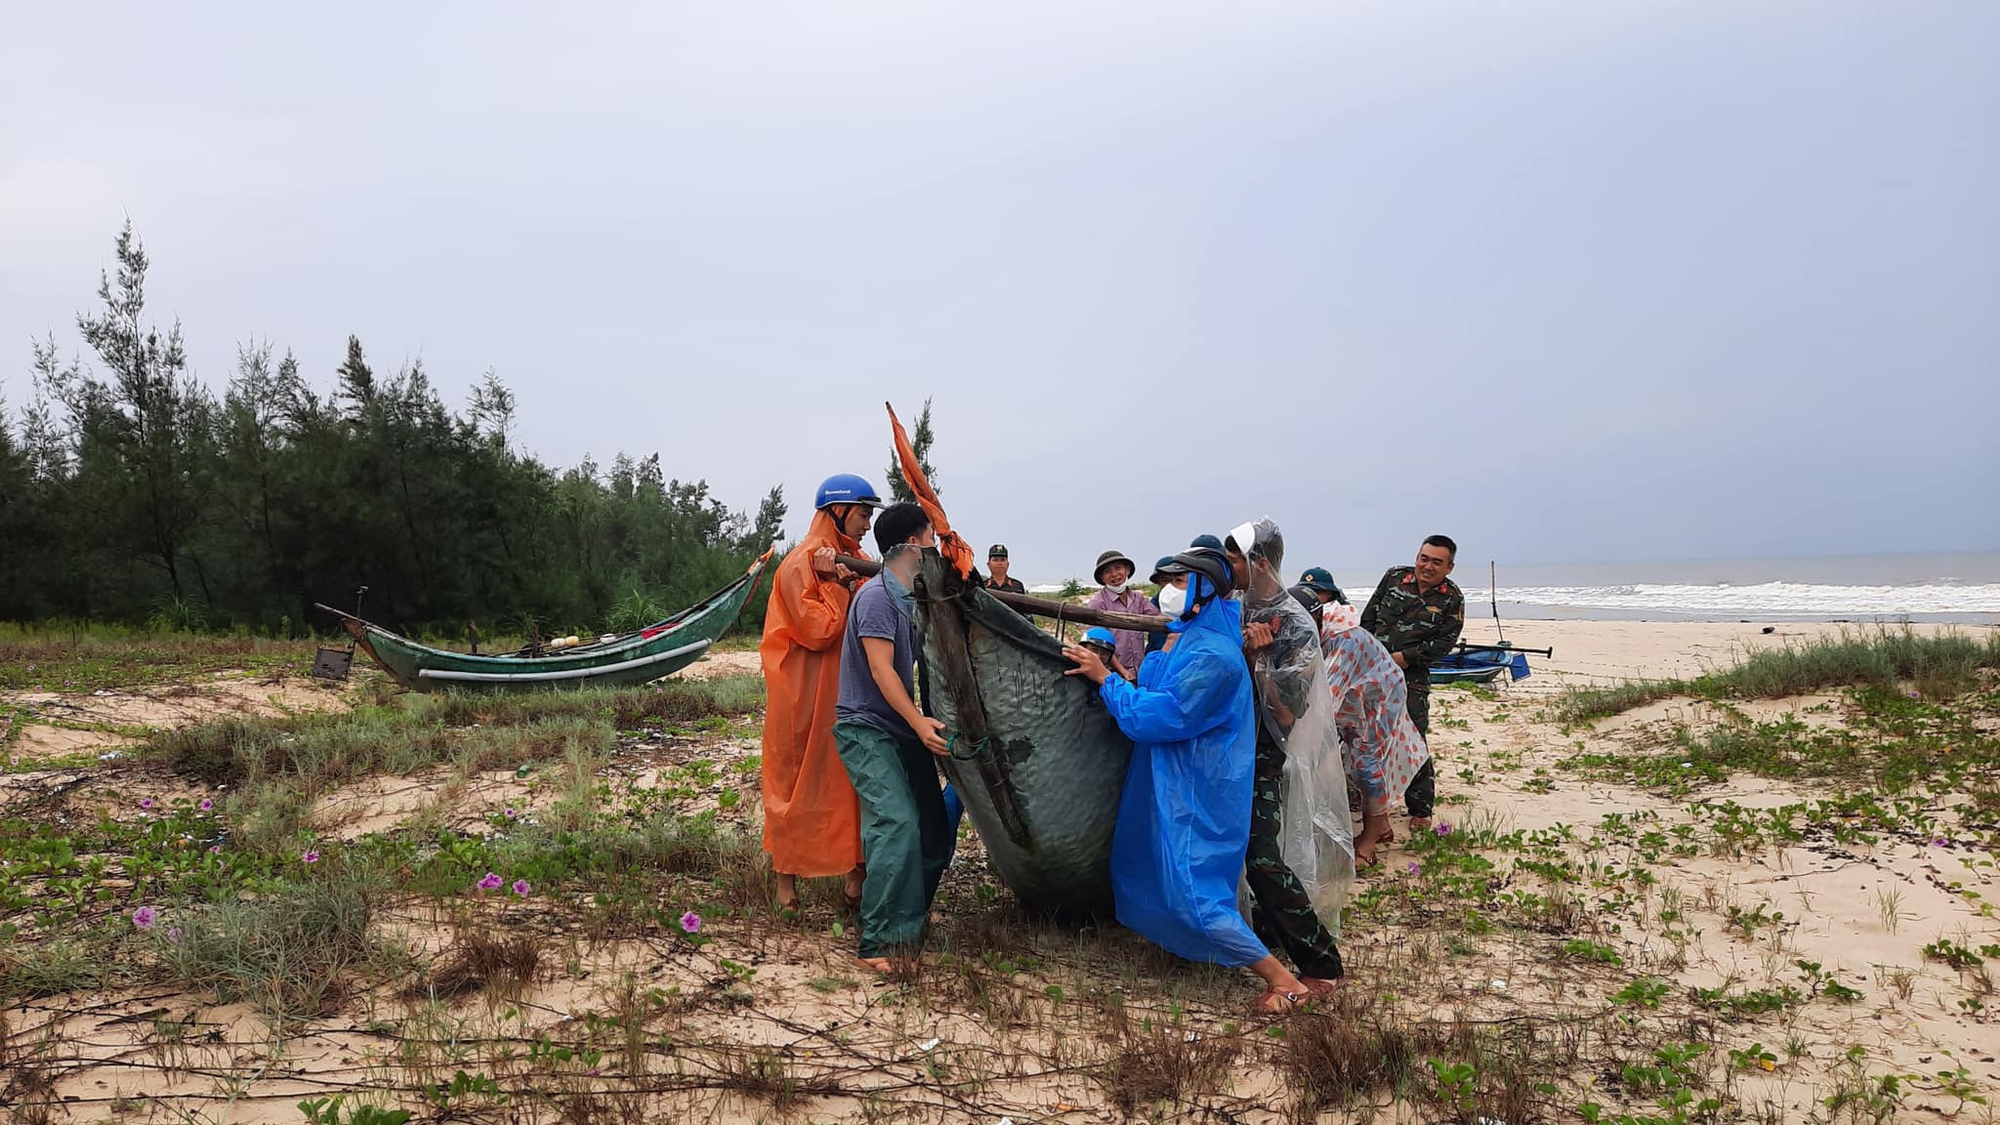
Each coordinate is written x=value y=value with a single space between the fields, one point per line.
x=1952 y=587
x=1961 y=587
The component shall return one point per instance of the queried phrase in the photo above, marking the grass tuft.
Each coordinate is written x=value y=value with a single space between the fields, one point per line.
x=31 y=971
x=1159 y=1061
x=1345 y=1051
x=288 y=953
x=477 y=961
x=770 y=1075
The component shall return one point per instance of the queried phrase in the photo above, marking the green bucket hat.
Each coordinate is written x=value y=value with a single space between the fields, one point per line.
x=1106 y=559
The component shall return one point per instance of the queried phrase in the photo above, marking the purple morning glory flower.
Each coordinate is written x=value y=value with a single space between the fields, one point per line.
x=144 y=917
x=492 y=882
x=691 y=922
x=521 y=887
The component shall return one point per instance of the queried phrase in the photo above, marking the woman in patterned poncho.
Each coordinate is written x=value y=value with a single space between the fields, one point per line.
x=1384 y=750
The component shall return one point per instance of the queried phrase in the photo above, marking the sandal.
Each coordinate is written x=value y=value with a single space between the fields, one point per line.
x=1274 y=1002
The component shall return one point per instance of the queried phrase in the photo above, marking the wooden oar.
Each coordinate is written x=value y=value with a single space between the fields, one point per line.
x=1041 y=607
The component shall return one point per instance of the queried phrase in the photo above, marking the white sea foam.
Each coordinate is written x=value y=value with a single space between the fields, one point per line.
x=1790 y=599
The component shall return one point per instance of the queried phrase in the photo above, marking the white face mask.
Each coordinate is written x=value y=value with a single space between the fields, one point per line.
x=1173 y=601
x=1115 y=587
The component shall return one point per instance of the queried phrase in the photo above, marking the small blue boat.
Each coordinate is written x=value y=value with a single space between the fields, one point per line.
x=1481 y=665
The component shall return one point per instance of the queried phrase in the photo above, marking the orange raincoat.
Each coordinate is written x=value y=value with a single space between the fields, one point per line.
x=812 y=819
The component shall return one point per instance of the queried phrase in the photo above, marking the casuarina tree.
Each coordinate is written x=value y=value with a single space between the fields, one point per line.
x=920 y=442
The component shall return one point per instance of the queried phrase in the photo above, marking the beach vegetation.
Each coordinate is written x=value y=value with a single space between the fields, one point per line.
x=1889 y=742
x=478 y=732
x=1938 y=665
x=574 y=920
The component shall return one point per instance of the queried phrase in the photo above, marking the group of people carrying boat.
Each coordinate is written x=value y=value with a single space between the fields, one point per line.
x=1250 y=716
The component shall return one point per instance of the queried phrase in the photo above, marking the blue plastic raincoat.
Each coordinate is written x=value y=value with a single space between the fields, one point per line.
x=1184 y=818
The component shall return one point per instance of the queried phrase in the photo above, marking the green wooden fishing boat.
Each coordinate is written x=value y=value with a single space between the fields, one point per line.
x=638 y=657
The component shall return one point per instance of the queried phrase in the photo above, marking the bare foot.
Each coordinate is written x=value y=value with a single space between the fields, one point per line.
x=788 y=891
x=1419 y=824
x=887 y=967
x=1319 y=987
x=850 y=892
x=1374 y=830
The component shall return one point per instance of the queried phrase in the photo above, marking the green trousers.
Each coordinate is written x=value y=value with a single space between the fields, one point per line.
x=1420 y=799
x=906 y=838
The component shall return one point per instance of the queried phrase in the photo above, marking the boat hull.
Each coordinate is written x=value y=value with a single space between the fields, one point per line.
x=1044 y=786
x=1479 y=667
x=637 y=658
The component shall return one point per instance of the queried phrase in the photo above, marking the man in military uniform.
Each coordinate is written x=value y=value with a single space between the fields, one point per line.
x=996 y=565
x=1417 y=613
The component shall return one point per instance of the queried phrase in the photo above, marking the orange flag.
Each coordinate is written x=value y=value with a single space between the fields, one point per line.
x=955 y=550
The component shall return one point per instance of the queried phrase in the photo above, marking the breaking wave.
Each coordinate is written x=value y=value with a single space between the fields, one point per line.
x=1766 y=599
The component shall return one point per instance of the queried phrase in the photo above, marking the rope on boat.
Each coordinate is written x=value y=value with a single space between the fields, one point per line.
x=978 y=748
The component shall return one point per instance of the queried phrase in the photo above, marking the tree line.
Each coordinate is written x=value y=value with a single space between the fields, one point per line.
x=131 y=492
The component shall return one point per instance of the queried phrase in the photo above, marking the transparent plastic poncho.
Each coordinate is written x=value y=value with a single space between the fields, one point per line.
x=1296 y=707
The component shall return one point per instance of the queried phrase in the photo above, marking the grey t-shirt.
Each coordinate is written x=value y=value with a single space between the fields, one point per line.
x=873 y=613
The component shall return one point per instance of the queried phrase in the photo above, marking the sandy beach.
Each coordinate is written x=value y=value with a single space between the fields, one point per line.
x=1597 y=652
x=1600 y=919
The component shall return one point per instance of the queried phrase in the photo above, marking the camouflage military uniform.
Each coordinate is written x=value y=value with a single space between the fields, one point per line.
x=1423 y=626
x=1283 y=911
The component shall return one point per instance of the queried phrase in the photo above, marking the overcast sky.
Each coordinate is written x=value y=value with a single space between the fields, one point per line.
x=1570 y=282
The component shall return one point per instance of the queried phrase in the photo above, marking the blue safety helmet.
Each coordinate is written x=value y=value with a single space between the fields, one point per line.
x=845 y=488
x=1100 y=636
